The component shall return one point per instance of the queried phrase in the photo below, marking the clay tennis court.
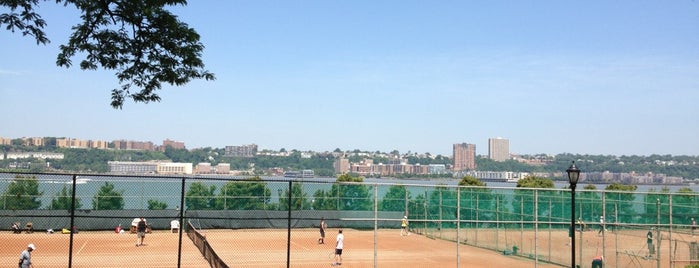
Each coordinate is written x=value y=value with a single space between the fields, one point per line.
x=250 y=248
x=267 y=248
x=100 y=249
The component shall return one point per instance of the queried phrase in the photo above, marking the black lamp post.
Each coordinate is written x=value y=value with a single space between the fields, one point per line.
x=573 y=176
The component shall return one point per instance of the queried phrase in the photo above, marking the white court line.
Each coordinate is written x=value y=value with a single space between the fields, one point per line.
x=81 y=248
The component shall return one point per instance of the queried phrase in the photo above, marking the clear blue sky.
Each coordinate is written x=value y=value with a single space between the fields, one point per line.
x=587 y=77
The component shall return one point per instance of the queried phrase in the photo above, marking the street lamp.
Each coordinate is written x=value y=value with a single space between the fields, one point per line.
x=573 y=176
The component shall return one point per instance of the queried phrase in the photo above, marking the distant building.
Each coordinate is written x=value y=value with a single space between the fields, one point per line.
x=341 y=165
x=38 y=155
x=464 y=156
x=33 y=141
x=222 y=168
x=133 y=145
x=173 y=144
x=72 y=143
x=437 y=169
x=496 y=176
x=306 y=173
x=241 y=151
x=174 y=168
x=498 y=149
x=203 y=168
x=122 y=167
x=5 y=141
x=98 y=144
x=207 y=168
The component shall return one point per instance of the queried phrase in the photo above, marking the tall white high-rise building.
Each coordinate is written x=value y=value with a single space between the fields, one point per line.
x=499 y=149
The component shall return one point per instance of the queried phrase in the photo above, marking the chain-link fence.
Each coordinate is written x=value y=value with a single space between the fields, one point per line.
x=649 y=229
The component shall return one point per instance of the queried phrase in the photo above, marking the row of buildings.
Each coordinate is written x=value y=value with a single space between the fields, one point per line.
x=393 y=167
x=94 y=144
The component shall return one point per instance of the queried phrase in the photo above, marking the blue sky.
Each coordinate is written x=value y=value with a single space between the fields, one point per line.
x=587 y=77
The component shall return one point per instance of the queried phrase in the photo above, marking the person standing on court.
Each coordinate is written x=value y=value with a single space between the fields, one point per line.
x=694 y=226
x=601 y=226
x=322 y=227
x=404 y=226
x=25 y=259
x=140 y=232
x=649 y=240
x=339 y=244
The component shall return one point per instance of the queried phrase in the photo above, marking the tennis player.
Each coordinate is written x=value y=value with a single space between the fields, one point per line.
x=339 y=240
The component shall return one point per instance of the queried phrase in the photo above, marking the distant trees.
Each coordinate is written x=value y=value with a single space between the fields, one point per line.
x=535 y=182
x=479 y=203
x=107 y=198
x=527 y=194
x=299 y=199
x=354 y=195
x=22 y=193
x=199 y=196
x=395 y=199
x=156 y=205
x=251 y=193
x=64 y=199
x=619 y=200
x=348 y=194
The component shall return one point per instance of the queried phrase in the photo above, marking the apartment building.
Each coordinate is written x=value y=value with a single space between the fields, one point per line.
x=499 y=149
x=464 y=156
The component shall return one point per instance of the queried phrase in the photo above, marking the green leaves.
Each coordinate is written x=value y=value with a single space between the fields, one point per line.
x=22 y=18
x=143 y=42
x=22 y=193
x=108 y=198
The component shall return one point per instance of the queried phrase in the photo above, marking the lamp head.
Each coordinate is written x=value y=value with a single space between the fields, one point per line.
x=573 y=174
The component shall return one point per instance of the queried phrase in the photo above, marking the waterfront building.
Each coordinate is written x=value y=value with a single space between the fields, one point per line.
x=123 y=167
x=464 y=156
x=203 y=168
x=498 y=149
x=222 y=168
x=174 y=168
x=341 y=165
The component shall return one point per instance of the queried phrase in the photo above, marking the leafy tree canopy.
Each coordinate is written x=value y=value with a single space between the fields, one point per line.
x=199 y=196
x=156 y=204
x=621 y=187
x=108 y=198
x=145 y=43
x=471 y=181
x=535 y=182
x=63 y=200
x=590 y=187
x=395 y=199
x=22 y=193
